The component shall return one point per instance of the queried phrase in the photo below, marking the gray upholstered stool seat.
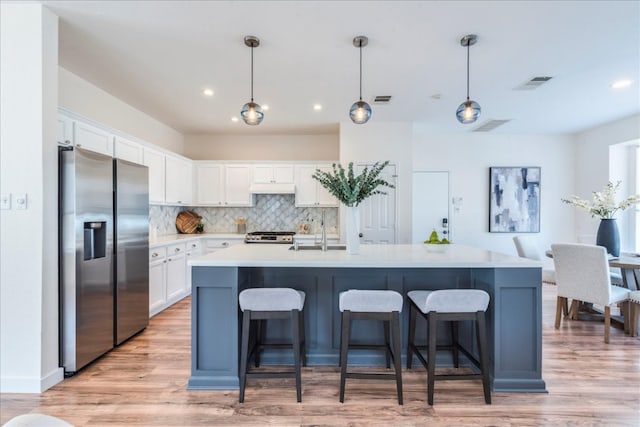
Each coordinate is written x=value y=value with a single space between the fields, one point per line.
x=634 y=300
x=371 y=305
x=450 y=305
x=261 y=304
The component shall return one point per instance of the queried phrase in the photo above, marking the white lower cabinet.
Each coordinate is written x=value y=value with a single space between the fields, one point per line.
x=157 y=280
x=194 y=249
x=169 y=275
x=176 y=272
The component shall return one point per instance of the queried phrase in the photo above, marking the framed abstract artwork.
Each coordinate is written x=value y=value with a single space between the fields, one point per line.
x=514 y=202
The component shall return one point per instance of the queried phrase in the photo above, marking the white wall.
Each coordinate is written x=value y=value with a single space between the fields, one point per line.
x=600 y=157
x=468 y=157
x=377 y=141
x=81 y=97
x=262 y=147
x=28 y=160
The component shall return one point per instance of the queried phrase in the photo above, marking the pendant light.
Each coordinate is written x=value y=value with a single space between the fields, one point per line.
x=468 y=111
x=251 y=112
x=360 y=111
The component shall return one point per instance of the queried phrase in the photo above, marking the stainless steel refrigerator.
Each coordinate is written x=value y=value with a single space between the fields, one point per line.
x=104 y=247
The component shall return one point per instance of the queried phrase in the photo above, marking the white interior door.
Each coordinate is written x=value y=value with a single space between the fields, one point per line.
x=430 y=200
x=378 y=213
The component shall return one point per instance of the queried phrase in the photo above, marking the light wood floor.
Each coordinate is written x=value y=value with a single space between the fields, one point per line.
x=143 y=383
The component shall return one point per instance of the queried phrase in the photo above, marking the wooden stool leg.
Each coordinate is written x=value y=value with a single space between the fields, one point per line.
x=344 y=350
x=633 y=327
x=412 y=335
x=484 y=360
x=454 y=343
x=431 y=361
x=295 y=336
x=260 y=325
x=387 y=352
x=397 y=357
x=246 y=327
x=303 y=339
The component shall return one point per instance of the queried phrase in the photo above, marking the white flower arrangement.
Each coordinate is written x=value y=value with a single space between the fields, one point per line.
x=604 y=202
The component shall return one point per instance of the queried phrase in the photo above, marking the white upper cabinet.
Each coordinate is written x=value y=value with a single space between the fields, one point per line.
x=178 y=181
x=309 y=192
x=209 y=184
x=92 y=138
x=219 y=184
x=128 y=150
x=237 y=178
x=272 y=174
x=154 y=160
x=65 y=130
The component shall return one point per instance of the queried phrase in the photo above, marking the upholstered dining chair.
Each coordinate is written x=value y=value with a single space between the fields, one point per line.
x=582 y=273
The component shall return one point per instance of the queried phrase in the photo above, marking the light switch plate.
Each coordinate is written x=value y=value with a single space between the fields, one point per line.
x=5 y=201
x=21 y=201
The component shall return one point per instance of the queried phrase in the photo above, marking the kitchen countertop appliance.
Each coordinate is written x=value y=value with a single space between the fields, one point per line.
x=285 y=237
x=104 y=254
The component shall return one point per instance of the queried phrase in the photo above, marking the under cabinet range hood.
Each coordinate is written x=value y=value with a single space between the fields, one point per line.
x=272 y=188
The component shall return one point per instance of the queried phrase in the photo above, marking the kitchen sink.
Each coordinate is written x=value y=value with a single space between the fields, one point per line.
x=318 y=248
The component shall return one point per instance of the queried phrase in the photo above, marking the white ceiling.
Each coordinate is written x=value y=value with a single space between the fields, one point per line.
x=158 y=56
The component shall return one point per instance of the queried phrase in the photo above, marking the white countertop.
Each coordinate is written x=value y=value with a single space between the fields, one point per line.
x=178 y=238
x=370 y=256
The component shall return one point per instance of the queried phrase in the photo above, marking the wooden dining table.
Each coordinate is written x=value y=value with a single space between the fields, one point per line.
x=629 y=265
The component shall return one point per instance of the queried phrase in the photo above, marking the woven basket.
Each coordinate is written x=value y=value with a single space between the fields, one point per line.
x=187 y=222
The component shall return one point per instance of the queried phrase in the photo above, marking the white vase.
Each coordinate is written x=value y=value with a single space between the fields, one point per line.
x=353 y=230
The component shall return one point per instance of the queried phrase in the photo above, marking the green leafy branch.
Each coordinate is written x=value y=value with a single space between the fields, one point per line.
x=350 y=189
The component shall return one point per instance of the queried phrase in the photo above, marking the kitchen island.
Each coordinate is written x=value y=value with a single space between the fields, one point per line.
x=514 y=316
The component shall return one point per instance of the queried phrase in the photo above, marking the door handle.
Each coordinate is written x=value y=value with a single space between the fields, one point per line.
x=359 y=234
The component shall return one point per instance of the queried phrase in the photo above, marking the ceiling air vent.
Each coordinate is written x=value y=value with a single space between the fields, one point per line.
x=534 y=83
x=490 y=125
x=382 y=99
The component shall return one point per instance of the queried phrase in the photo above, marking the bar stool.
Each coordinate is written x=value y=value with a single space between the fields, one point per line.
x=371 y=305
x=258 y=304
x=634 y=309
x=449 y=305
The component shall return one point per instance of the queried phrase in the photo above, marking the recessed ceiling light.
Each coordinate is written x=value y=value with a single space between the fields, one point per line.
x=265 y=107
x=234 y=119
x=621 y=84
x=317 y=107
x=207 y=92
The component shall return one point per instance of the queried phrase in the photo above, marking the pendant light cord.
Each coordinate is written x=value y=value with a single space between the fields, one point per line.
x=468 y=44
x=360 y=69
x=252 y=75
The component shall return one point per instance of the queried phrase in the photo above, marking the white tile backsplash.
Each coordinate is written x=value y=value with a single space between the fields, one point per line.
x=272 y=212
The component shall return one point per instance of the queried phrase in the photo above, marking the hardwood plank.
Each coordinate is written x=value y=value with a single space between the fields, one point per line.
x=143 y=383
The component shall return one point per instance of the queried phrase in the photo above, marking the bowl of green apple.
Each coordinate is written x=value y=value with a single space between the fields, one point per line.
x=435 y=244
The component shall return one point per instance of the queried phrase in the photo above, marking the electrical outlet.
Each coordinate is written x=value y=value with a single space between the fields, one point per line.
x=5 y=201
x=21 y=201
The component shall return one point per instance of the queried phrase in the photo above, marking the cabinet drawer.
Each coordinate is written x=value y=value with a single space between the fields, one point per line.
x=157 y=253
x=193 y=246
x=176 y=249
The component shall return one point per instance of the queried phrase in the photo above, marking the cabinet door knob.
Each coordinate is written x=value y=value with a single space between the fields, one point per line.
x=177 y=249
x=78 y=145
x=225 y=243
x=193 y=245
x=153 y=255
x=67 y=142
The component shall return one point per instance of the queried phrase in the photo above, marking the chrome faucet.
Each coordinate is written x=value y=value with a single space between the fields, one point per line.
x=323 y=241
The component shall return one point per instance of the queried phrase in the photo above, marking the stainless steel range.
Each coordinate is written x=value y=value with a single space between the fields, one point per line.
x=285 y=237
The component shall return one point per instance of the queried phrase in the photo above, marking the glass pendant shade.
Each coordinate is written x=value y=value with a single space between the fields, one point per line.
x=468 y=112
x=360 y=112
x=252 y=113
